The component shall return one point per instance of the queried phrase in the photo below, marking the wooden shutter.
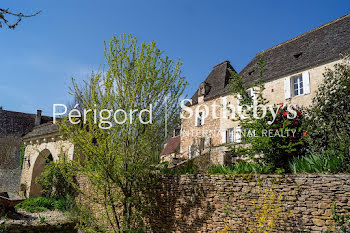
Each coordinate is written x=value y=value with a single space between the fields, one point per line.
x=306 y=82
x=189 y=152
x=287 y=88
x=223 y=136
x=231 y=135
x=238 y=136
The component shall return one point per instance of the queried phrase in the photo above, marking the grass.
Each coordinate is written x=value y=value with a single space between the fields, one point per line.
x=316 y=163
x=41 y=204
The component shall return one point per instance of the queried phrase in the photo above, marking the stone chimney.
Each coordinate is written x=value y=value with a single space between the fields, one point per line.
x=38 y=117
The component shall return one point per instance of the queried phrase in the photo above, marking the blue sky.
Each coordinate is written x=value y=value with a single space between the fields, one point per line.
x=41 y=55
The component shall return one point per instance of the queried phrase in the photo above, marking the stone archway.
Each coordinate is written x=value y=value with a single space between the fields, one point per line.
x=38 y=168
x=43 y=141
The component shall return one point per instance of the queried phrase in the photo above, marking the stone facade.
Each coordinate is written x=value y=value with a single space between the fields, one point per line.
x=302 y=58
x=42 y=142
x=205 y=203
x=216 y=128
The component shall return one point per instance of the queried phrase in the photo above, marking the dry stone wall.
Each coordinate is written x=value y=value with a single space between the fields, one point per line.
x=205 y=203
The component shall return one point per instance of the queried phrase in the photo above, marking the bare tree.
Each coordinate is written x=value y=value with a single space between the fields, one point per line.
x=5 y=13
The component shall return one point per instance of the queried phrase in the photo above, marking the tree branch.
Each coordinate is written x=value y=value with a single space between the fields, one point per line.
x=5 y=12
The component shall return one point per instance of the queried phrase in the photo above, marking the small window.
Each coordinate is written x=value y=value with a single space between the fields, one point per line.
x=298 y=88
x=234 y=135
x=200 y=119
x=202 y=90
x=230 y=135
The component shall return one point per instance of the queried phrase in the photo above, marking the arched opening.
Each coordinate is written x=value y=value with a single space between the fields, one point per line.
x=43 y=158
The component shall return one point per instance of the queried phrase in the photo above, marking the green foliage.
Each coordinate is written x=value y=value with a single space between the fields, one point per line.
x=38 y=204
x=42 y=219
x=21 y=159
x=41 y=204
x=329 y=121
x=220 y=169
x=317 y=163
x=342 y=221
x=279 y=139
x=53 y=182
x=118 y=162
x=243 y=167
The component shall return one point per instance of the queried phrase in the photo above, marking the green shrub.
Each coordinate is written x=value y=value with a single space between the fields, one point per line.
x=37 y=204
x=41 y=204
x=278 y=137
x=328 y=124
x=53 y=181
x=317 y=163
x=244 y=167
x=220 y=169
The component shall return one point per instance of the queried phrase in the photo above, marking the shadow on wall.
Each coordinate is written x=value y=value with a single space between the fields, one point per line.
x=197 y=203
x=176 y=209
x=10 y=149
x=10 y=180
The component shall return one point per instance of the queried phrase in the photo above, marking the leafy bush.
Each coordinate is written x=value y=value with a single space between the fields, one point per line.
x=328 y=124
x=244 y=167
x=41 y=204
x=278 y=142
x=317 y=163
x=277 y=137
x=53 y=181
x=38 y=204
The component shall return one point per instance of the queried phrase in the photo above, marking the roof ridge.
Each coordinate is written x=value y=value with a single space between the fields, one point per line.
x=221 y=63
x=305 y=33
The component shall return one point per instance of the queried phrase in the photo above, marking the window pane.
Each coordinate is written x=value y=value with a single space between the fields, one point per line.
x=295 y=80
x=296 y=92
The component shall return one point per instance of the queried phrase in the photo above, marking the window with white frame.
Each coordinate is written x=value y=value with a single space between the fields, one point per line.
x=298 y=86
x=230 y=135
x=234 y=135
x=200 y=119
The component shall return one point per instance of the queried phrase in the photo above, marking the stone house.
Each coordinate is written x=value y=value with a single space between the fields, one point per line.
x=13 y=126
x=293 y=73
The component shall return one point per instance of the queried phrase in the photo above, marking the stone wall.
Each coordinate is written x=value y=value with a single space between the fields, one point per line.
x=43 y=228
x=10 y=180
x=205 y=203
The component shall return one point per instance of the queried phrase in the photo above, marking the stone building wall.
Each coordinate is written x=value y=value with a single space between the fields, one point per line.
x=215 y=128
x=36 y=152
x=205 y=203
x=10 y=180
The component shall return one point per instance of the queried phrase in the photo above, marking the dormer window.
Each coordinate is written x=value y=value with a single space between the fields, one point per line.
x=202 y=90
